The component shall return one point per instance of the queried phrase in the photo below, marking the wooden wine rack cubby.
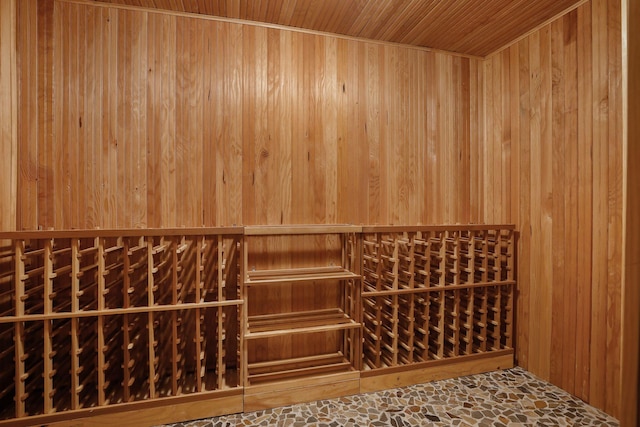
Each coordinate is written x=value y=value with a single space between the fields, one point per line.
x=435 y=295
x=90 y=321
x=308 y=341
x=179 y=324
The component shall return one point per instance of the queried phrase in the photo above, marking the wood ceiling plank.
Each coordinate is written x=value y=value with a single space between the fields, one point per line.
x=470 y=27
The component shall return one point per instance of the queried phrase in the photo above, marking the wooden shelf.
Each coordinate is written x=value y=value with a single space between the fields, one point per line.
x=268 y=277
x=298 y=368
x=301 y=229
x=271 y=325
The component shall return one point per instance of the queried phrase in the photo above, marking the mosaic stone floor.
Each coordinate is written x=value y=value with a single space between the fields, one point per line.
x=507 y=398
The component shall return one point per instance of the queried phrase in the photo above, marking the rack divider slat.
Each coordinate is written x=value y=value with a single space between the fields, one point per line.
x=101 y=326
x=150 y=329
x=75 y=307
x=198 y=333
x=126 y=356
x=47 y=347
x=19 y=329
x=174 y=319
x=219 y=313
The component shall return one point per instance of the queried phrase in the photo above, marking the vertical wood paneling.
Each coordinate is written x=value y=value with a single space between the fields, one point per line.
x=190 y=121
x=138 y=123
x=445 y=139
x=565 y=137
x=110 y=114
x=74 y=179
x=8 y=113
x=31 y=180
x=476 y=139
x=231 y=144
x=558 y=168
x=167 y=125
x=255 y=124
x=513 y=104
x=154 y=81
x=347 y=91
x=524 y=148
x=329 y=94
x=585 y=200
x=615 y=213
x=99 y=107
x=300 y=149
x=87 y=121
x=598 y=372
x=374 y=117
x=571 y=231
x=149 y=119
x=123 y=95
x=545 y=322
x=59 y=153
x=320 y=195
x=630 y=389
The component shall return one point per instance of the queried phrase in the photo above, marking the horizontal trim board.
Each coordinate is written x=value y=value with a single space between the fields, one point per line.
x=273 y=230
x=118 y=311
x=388 y=378
x=143 y=413
x=124 y=232
x=297 y=383
x=276 y=398
x=434 y=363
x=444 y=227
x=368 y=294
x=249 y=230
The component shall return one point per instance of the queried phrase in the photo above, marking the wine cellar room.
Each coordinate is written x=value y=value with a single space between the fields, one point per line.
x=218 y=207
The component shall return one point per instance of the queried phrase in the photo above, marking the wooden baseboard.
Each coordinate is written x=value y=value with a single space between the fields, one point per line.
x=299 y=391
x=146 y=413
x=382 y=379
x=331 y=386
x=272 y=395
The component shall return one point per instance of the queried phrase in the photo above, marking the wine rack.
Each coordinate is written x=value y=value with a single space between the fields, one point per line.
x=95 y=319
x=434 y=294
x=177 y=324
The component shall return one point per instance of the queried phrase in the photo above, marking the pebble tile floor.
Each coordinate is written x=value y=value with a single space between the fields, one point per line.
x=512 y=397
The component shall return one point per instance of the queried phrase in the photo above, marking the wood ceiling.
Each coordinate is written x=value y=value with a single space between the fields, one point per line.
x=473 y=27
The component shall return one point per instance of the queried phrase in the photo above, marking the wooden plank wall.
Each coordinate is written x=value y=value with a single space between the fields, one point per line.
x=552 y=164
x=151 y=119
x=132 y=118
x=8 y=115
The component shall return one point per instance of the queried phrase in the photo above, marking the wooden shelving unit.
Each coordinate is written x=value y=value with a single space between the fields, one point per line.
x=435 y=295
x=107 y=319
x=312 y=336
x=179 y=324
